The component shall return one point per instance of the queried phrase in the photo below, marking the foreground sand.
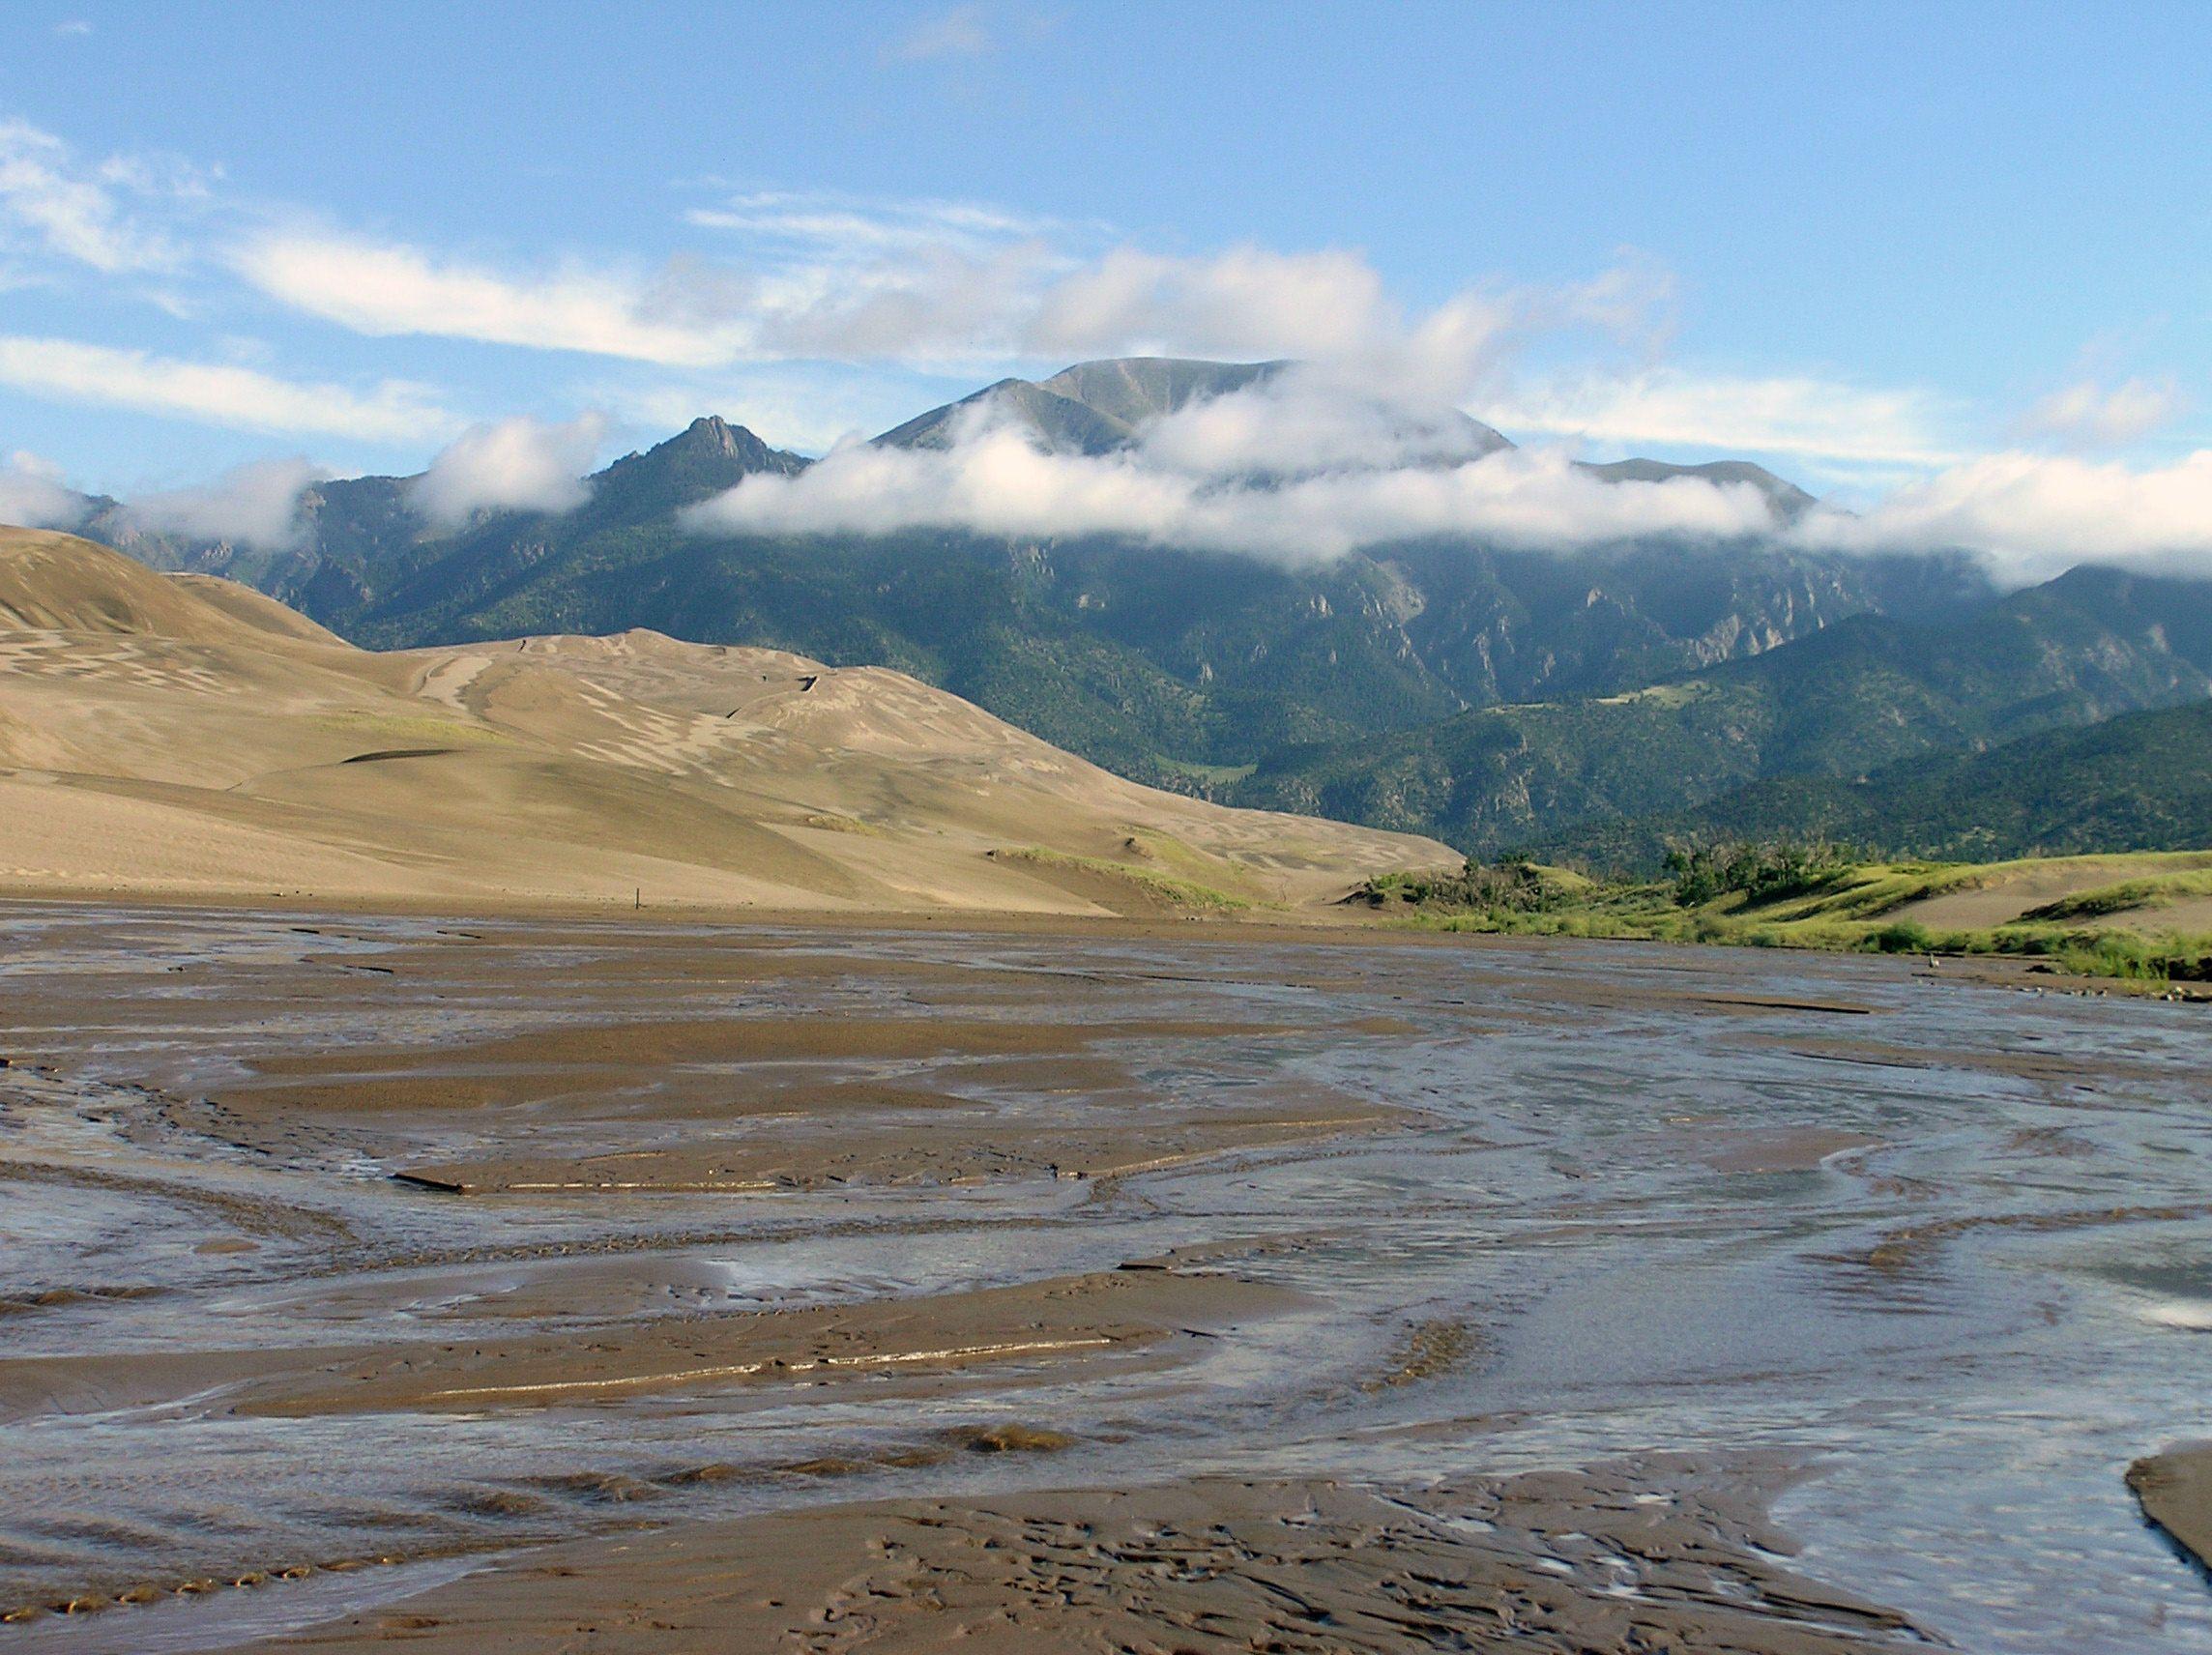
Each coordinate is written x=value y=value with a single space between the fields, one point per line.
x=2175 y=1490
x=595 y=1261
x=1659 y=1555
x=181 y=736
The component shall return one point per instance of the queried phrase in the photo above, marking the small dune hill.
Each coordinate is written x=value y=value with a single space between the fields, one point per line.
x=257 y=610
x=60 y=583
x=184 y=735
x=2147 y=891
x=2161 y=893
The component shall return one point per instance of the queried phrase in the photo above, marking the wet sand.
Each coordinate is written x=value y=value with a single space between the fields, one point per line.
x=1030 y=1327
x=2175 y=1489
x=1112 y=1288
x=1664 y=1555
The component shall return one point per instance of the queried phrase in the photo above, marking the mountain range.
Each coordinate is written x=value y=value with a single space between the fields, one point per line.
x=1488 y=695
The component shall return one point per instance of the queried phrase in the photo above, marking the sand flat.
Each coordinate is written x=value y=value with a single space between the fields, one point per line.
x=1655 y=1557
x=2174 y=1489
x=1036 y=1323
x=1034 y=1326
x=859 y=1155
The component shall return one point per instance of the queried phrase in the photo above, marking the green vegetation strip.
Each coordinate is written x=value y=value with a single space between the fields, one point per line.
x=1782 y=895
x=1184 y=893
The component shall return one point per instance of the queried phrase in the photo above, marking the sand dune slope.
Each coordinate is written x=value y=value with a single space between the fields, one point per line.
x=179 y=735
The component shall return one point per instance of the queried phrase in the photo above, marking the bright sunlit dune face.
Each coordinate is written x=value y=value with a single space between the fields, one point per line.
x=183 y=735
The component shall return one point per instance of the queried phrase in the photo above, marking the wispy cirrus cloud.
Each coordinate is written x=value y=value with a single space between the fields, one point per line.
x=826 y=227
x=1785 y=415
x=2090 y=414
x=222 y=394
x=83 y=211
x=386 y=289
x=835 y=285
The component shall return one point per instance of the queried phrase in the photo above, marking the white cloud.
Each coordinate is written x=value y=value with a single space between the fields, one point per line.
x=518 y=464
x=256 y=505
x=2037 y=515
x=220 y=393
x=840 y=228
x=688 y=315
x=33 y=496
x=930 y=305
x=1247 y=302
x=75 y=211
x=919 y=299
x=1779 y=416
x=1190 y=483
x=1331 y=311
x=1301 y=422
x=75 y=26
x=994 y=482
x=2088 y=415
x=936 y=283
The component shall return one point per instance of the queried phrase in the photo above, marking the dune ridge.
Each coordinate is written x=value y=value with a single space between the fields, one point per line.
x=183 y=736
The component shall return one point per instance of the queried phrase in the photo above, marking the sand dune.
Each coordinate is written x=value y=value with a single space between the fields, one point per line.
x=2165 y=897
x=184 y=735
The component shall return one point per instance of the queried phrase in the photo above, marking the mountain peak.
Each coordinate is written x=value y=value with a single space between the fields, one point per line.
x=1785 y=498
x=711 y=431
x=1132 y=390
x=706 y=456
x=1097 y=407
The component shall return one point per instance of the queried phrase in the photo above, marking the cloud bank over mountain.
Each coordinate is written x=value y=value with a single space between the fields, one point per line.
x=2034 y=515
x=253 y=504
x=33 y=495
x=521 y=464
x=1189 y=484
x=1300 y=464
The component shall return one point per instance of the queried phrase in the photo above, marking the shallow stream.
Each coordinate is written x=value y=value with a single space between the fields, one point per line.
x=1946 y=1246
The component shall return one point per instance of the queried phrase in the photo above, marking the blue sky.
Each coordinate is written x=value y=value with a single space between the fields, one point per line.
x=1869 y=244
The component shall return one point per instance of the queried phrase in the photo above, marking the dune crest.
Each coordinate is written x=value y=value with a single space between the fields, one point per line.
x=181 y=735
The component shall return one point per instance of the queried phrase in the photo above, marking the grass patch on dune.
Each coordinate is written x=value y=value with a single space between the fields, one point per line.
x=1165 y=887
x=401 y=728
x=1808 y=897
x=828 y=822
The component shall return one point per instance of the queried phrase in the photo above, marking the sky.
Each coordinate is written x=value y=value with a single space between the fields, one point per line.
x=1945 y=264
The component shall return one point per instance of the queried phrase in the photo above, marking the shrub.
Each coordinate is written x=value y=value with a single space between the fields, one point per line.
x=1905 y=937
x=1767 y=871
x=1502 y=887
